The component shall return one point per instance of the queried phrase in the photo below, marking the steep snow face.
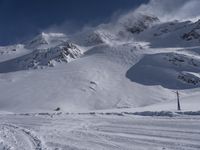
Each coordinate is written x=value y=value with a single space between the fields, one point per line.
x=88 y=38
x=93 y=37
x=65 y=52
x=41 y=58
x=171 y=70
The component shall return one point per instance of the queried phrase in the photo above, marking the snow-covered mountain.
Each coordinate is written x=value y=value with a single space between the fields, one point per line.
x=136 y=62
x=45 y=40
x=41 y=58
x=138 y=22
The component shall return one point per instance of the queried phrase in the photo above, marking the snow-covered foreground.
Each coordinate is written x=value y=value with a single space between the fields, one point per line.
x=98 y=132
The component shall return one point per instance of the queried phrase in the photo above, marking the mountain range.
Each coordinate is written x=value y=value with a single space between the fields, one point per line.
x=134 y=63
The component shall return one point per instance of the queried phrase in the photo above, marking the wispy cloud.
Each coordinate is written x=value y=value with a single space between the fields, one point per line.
x=172 y=9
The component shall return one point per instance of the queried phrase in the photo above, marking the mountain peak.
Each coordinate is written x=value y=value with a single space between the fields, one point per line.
x=137 y=22
x=44 y=39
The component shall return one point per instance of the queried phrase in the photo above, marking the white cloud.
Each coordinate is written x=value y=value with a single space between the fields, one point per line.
x=172 y=9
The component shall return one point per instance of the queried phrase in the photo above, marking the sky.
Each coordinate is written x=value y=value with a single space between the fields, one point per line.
x=22 y=19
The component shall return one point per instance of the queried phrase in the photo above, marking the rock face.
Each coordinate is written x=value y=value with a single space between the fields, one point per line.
x=42 y=58
x=189 y=78
x=194 y=34
x=65 y=52
x=140 y=23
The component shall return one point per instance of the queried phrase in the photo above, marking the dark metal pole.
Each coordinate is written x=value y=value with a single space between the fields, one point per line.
x=178 y=101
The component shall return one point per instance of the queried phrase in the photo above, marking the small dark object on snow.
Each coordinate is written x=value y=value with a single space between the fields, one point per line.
x=57 y=109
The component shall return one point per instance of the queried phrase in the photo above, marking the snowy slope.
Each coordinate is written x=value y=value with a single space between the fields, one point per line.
x=39 y=58
x=172 y=34
x=137 y=63
x=13 y=51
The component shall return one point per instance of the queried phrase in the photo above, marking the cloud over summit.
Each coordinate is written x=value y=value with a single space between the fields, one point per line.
x=172 y=9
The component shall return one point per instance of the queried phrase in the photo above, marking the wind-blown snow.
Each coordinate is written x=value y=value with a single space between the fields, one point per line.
x=172 y=9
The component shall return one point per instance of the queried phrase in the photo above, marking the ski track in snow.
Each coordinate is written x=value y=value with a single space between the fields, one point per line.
x=14 y=137
x=99 y=132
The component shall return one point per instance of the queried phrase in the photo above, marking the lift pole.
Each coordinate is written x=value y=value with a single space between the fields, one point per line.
x=178 y=100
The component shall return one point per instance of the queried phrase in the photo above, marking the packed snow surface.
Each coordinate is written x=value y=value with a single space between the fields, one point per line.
x=98 y=131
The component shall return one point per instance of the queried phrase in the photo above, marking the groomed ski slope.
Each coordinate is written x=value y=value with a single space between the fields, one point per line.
x=90 y=131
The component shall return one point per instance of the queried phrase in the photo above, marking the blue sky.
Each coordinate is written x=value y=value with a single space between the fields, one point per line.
x=21 y=19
